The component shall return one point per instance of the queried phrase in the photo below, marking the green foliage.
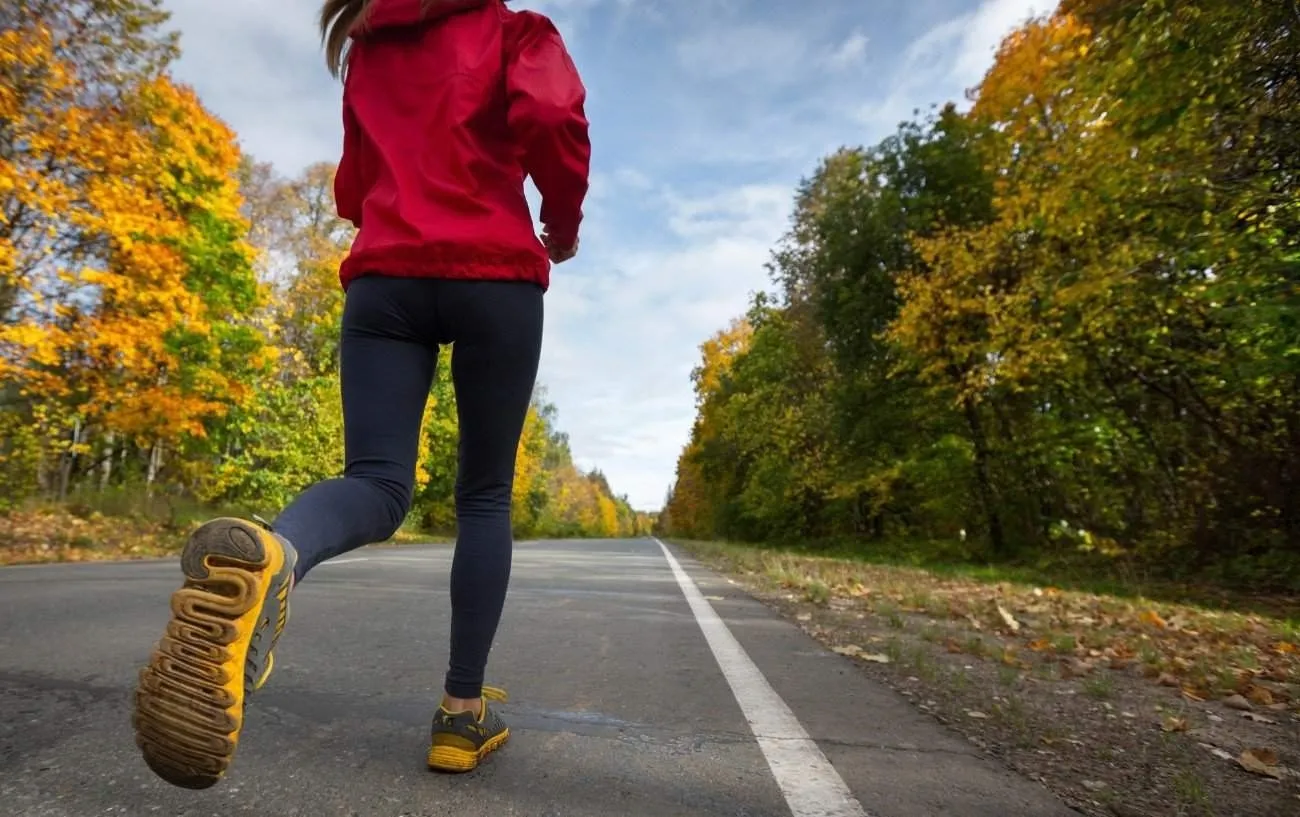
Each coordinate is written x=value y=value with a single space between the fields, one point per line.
x=288 y=437
x=1062 y=326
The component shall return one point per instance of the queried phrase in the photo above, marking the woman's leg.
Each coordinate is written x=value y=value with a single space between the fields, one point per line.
x=498 y=338
x=231 y=609
x=497 y=332
x=387 y=367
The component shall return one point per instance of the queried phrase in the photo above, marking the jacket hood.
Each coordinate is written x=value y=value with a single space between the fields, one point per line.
x=384 y=14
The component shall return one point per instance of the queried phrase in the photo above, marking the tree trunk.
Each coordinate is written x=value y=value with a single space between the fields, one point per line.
x=69 y=458
x=983 y=480
x=155 y=463
x=106 y=465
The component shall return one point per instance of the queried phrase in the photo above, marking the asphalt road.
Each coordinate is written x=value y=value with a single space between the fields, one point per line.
x=628 y=696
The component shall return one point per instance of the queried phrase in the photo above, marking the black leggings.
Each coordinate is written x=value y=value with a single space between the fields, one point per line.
x=392 y=330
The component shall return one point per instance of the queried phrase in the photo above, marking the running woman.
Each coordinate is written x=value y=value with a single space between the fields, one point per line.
x=447 y=106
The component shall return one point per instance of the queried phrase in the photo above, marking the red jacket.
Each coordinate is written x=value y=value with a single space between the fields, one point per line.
x=447 y=105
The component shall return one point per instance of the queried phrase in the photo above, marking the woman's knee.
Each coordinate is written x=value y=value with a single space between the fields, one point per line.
x=395 y=497
x=483 y=499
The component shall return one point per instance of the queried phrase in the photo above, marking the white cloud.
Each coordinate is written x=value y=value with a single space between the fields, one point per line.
x=756 y=52
x=949 y=59
x=260 y=67
x=983 y=31
x=849 y=54
x=623 y=331
x=749 y=211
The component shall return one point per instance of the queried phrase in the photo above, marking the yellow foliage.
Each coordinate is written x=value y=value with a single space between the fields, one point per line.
x=608 y=519
x=528 y=460
x=101 y=327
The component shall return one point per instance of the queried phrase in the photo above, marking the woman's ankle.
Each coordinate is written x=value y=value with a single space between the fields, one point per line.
x=457 y=705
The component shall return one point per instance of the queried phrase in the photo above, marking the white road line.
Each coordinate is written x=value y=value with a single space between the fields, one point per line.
x=347 y=561
x=399 y=559
x=811 y=786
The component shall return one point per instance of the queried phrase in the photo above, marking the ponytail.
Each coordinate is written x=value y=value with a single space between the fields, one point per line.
x=338 y=18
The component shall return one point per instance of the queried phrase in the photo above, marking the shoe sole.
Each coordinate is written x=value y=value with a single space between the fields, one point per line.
x=190 y=698
x=451 y=759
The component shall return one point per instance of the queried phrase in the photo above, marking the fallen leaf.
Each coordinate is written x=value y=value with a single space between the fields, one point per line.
x=976 y=714
x=1285 y=648
x=1237 y=702
x=1009 y=619
x=878 y=658
x=1257 y=718
x=1261 y=762
x=848 y=649
x=1173 y=724
x=1075 y=668
x=1259 y=695
x=1193 y=695
x=1038 y=645
x=1167 y=680
x=1153 y=618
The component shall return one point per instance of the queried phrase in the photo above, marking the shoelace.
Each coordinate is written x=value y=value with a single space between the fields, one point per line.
x=489 y=694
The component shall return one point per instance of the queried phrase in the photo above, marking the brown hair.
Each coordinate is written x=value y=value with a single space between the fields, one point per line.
x=338 y=18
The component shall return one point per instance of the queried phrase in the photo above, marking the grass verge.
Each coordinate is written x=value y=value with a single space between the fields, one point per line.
x=55 y=534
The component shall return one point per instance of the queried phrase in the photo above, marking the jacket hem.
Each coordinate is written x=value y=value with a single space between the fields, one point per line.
x=400 y=265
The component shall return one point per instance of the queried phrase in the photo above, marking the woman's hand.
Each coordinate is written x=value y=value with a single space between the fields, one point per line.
x=558 y=255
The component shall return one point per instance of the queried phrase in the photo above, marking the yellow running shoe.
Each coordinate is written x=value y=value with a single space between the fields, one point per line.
x=462 y=739
x=226 y=619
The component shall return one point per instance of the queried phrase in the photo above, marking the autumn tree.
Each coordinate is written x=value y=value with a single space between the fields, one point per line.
x=124 y=278
x=1107 y=299
x=854 y=234
x=694 y=505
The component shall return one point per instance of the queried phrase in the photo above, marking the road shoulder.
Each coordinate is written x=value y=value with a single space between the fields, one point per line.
x=896 y=760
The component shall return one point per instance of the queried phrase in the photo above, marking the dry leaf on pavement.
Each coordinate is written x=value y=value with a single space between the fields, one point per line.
x=1262 y=762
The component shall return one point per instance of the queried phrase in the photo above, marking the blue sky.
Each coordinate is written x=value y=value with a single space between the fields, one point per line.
x=705 y=114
